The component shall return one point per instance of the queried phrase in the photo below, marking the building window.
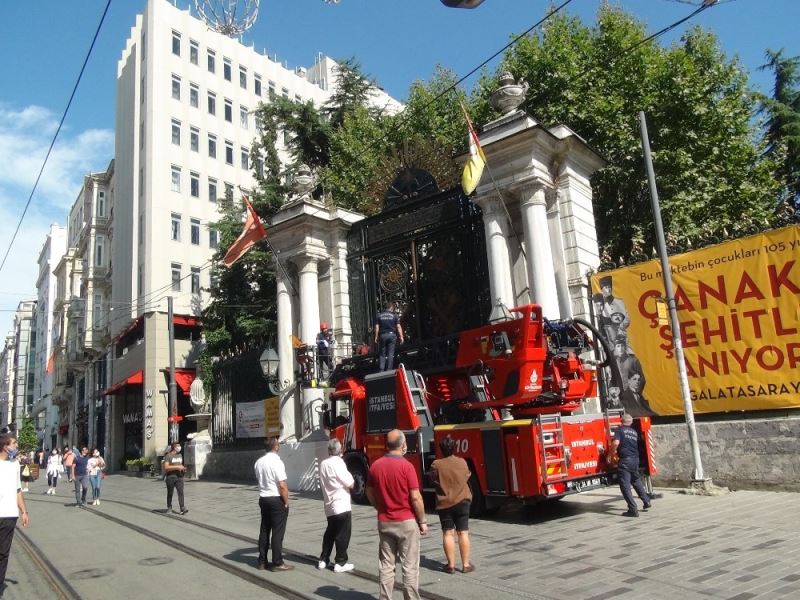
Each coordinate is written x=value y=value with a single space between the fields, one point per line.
x=98 y=252
x=229 y=190
x=195 y=280
x=194 y=139
x=176 y=132
x=194 y=95
x=194 y=52
x=176 y=277
x=194 y=184
x=195 y=232
x=176 y=87
x=143 y=46
x=243 y=121
x=245 y=158
x=212 y=61
x=141 y=181
x=228 y=152
x=140 y=280
x=212 y=146
x=228 y=111
x=243 y=78
x=176 y=43
x=141 y=135
x=176 y=227
x=212 y=190
x=257 y=84
x=101 y=203
x=176 y=179
x=213 y=239
x=285 y=92
x=298 y=99
x=141 y=229
x=141 y=91
x=212 y=103
x=227 y=70
x=271 y=86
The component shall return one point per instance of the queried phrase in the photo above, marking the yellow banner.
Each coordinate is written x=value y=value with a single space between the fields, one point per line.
x=272 y=416
x=738 y=306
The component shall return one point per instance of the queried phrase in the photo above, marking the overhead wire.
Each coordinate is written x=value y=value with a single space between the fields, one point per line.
x=55 y=136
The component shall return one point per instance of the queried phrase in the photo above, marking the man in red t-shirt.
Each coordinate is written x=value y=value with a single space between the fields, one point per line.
x=393 y=489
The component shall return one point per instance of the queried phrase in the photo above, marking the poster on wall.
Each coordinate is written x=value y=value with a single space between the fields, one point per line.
x=250 y=422
x=738 y=307
x=272 y=416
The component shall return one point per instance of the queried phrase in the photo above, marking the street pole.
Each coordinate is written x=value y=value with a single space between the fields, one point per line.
x=666 y=275
x=173 y=389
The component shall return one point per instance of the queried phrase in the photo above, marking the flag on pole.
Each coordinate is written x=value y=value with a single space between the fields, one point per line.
x=473 y=168
x=253 y=231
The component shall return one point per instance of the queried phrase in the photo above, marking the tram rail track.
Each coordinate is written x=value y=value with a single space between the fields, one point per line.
x=247 y=574
x=57 y=582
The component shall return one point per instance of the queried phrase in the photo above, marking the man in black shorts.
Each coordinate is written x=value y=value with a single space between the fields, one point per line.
x=450 y=476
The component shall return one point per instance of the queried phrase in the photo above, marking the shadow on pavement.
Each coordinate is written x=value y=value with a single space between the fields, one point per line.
x=337 y=593
x=244 y=556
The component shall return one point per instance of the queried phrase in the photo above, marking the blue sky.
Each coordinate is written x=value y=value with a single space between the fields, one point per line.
x=397 y=42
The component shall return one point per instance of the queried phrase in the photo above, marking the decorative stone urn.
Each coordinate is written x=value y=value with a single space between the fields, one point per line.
x=508 y=97
x=199 y=445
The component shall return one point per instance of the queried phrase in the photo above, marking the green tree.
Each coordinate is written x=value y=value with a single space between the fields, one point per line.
x=699 y=112
x=782 y=129
x=27 y=440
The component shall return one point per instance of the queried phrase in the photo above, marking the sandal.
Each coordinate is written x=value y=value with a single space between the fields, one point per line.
x=448 y=569
x=468 y=569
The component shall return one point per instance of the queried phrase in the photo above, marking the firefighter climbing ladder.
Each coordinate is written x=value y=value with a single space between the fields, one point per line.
x=554 y=452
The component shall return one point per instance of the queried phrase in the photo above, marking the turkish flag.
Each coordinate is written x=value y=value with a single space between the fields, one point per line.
x=253 y=231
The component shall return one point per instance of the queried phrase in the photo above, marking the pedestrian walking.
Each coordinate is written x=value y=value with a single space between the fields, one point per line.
x=12 y=502
x=393 y=489
x=626 y=447
x=96 y=467
x=273 y=501
x=80 y=476
x=175 y=471
x=387 y=331
x=25 y=472
x=450 y=476
x=54 y=468
x=67 y=458
x=336 y=482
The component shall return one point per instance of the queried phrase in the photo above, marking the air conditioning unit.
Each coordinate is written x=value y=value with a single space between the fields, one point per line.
x=300 y=71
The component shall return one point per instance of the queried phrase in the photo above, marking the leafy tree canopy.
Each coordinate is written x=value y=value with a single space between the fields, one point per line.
x=27 y=440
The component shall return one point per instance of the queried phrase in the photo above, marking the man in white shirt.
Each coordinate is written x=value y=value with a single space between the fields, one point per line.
x=336 y=483
x=12 y=502
x=274 y=504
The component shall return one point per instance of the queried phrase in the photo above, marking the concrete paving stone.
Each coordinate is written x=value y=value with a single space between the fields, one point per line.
x=742 y=596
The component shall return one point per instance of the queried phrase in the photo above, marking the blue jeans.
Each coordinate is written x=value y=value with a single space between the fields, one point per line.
x=386 y=351
x=95 y=481
x=628 y=474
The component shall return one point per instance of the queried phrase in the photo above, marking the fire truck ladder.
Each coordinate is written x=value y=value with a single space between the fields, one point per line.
x=551 y=436
x=479 y=389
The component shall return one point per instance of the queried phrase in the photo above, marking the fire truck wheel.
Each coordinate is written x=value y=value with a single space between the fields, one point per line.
x=358 y=469
x=478 y=506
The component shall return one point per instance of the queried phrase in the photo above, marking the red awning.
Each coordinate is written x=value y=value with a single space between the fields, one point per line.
x=135 y=379
x=183 y=378
x=188 y=321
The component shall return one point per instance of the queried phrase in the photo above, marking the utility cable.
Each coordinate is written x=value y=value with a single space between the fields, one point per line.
x=55 y=136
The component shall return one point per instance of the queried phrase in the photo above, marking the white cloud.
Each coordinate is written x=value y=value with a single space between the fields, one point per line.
x=25 y=136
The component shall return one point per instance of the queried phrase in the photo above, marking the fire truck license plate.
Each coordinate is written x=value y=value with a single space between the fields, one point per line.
x=588 y=483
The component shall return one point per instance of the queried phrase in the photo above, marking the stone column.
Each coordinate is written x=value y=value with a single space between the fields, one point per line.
x=541 y=275
x=309 y=327
x=285 y=352
x=496 y=227
x=557 y=246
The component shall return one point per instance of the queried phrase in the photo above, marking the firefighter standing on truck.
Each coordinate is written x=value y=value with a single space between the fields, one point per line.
x=626 y=446
x=387 y=330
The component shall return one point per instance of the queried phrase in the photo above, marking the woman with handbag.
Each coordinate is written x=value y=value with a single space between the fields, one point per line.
x=54 y=470
x=96 y=466
x=25 y=474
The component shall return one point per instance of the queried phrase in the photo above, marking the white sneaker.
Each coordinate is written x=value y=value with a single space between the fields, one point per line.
x=343 y=568
x=97 y=502
x=322 y=565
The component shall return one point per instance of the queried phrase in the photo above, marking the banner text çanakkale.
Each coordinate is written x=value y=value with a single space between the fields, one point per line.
x=739 y=310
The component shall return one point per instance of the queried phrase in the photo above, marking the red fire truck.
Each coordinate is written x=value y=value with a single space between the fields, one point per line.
x=507 y=394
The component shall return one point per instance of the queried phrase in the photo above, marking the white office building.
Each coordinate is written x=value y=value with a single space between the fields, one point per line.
x=45 y=413
x=185 y=125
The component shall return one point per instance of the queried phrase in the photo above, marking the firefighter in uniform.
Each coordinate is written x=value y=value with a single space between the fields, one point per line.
x=626 y=447
x=387 y=330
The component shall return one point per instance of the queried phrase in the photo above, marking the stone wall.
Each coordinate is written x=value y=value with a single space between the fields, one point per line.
x=741 y=454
